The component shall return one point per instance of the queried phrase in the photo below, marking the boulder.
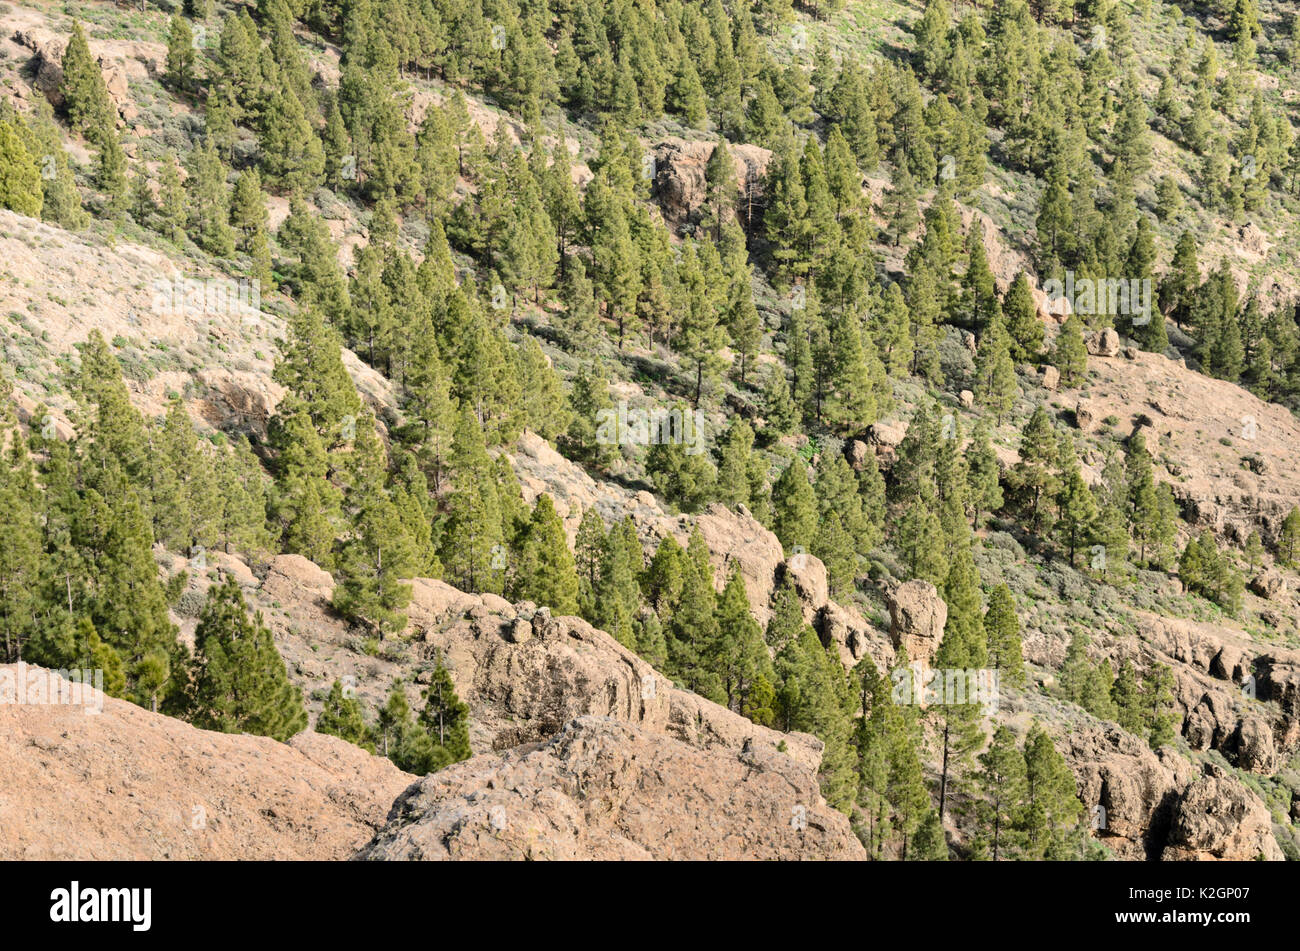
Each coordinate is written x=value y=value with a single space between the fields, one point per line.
x=916 y=618
x=1051 y=309
x=855 y=453
x=966 y=398
x=290 y=577
x=1051 y=376
x=1085 y=416
x=1269 y=584
x=1103 y=343
x=46 y=64
x=807 y=574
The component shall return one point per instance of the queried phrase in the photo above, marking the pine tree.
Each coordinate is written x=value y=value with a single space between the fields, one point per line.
x=794 y=507
x=1130 y=710
x=1161 y=714
x=1003 y=782
x=20 y=181
x=963 y=648
x=1021 y=317
x=545 y=573
x=44 y=140
x=20 y=556
x=1033 y=478
x=209 y=203
x=375 y=560
x=693 y=628
x=919 y=539
x=900 y=206
x=341 y=716
x=292 y=156
x=180 y=55
x=1288 y=542
x=813 y=697
x=1077 y=511
x=304 y=506
x=86 y=101
x=238 y=683
x=473 y=540
x=1002 y=628
x=983 y=485
x=395 y=725
x=663 y=578
x=739 y=655
x=444 y=722
x=1070 y=356
x=618 y=593
x=1051 y=805
x=996 y=387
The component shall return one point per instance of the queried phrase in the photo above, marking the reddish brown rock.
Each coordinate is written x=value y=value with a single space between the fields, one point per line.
x=129 y=784
x=603 y=789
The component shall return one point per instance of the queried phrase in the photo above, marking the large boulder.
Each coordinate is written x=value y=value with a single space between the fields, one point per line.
x=1103 y=343
x=1085 y=416
x=46 y=63
x=917 y=616
x=605 y=789
x=807 y=576
x=293 y=577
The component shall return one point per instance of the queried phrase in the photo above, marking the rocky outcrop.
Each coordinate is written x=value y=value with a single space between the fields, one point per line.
x=46 y=64
x=125 y=783
x=525 y=673
x=679 y=176
x=605 y=789
x=1085 y=416
x=293 y=577
x=1211 y=451
x=1232 y=696
x=885 y=438
x=1148 y=805
x=807 y=576
x=916 y=618
x=1128 y=790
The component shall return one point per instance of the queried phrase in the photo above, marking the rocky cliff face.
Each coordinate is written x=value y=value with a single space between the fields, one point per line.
x=1148 y=805
x=605 y=789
